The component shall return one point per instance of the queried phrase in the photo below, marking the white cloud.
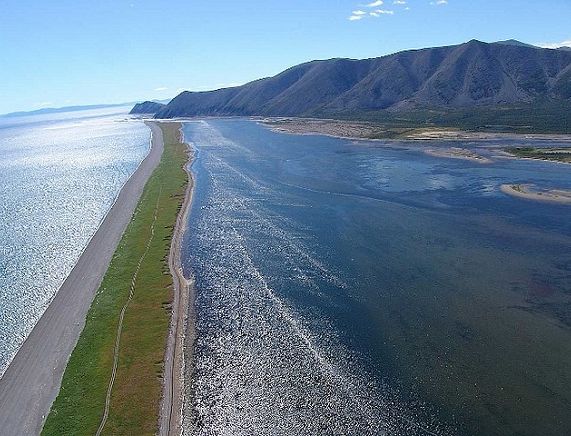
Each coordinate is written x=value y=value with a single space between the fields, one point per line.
x=357 y=15
x=161 y=88
x=360 y=14
x=380 y=12
x=555 y=44
x=439 y=2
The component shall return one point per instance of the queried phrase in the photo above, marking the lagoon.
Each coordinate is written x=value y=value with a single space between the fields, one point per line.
x=365 y=287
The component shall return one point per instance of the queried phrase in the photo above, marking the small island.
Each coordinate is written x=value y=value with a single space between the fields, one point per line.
x=548 y=154
x=409 y=131
x=458 y=153
x=531 y=192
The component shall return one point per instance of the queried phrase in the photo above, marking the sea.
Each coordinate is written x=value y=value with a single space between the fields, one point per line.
x=59 y=176
x=367 y=288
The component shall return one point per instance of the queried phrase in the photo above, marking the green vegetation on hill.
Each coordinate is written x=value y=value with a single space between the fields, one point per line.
x=548 y=117
x=507 y=86
x=136 y=393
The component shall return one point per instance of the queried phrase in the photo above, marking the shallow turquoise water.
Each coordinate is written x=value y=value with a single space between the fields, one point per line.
x=59 y=175
x=367 y=288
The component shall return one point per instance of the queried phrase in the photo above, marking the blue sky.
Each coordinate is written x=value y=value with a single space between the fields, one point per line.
x=62 y=52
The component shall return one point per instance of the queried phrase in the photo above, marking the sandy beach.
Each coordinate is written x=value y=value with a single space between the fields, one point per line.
x=529 y=192
x=457 y=153
x=181 y=328
x=32 y=380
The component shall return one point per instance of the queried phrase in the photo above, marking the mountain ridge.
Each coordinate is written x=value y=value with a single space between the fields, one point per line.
x=147 y=107
x=459 y=77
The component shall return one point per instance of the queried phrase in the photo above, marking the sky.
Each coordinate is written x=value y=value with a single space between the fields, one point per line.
x=62 y=52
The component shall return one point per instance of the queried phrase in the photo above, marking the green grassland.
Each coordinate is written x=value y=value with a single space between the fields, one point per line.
x=136 y=393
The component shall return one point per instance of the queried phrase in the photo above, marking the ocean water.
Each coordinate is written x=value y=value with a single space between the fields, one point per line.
x=59 y=175
x=366 y=288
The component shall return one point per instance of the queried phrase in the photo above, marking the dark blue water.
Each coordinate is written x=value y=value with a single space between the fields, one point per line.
x=367 y=288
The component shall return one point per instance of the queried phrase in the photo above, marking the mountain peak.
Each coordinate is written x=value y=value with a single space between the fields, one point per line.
x=515 y=42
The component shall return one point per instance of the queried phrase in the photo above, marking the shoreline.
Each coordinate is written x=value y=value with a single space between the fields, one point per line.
x=507 y=155
x=458 y=153
x=89 y=241
x=532 y=159
x=527 y=192
x=113 y=382
x=181 y=326
x=365 y=132
x=370 y=131
x=33 y=378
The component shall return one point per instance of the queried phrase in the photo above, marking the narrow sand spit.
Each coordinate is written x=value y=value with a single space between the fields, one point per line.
x=529 y=192
x=457 y=153
x=32 y=381
x=181 y=330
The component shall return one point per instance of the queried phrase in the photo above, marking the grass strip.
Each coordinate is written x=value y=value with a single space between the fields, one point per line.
x=136 y=394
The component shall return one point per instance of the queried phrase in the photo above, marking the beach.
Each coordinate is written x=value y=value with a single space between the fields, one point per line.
x=32 y=380
x=529 y=192
x=182 y=323
x=458 y=153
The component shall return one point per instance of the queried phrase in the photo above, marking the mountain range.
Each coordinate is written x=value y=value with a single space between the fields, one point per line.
x=452 y=79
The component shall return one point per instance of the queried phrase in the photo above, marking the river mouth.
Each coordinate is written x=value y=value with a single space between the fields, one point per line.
x=369 y=289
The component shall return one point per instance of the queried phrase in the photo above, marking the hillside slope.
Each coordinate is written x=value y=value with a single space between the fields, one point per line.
x=146 y=107
x=455 y=78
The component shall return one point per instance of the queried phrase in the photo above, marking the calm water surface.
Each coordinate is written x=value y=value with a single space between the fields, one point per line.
x=367 y=288
x=59 y=175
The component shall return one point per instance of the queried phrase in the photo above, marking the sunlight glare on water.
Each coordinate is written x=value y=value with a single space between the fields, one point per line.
x=369 y=288
x=263 y=366
x=59 y=175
